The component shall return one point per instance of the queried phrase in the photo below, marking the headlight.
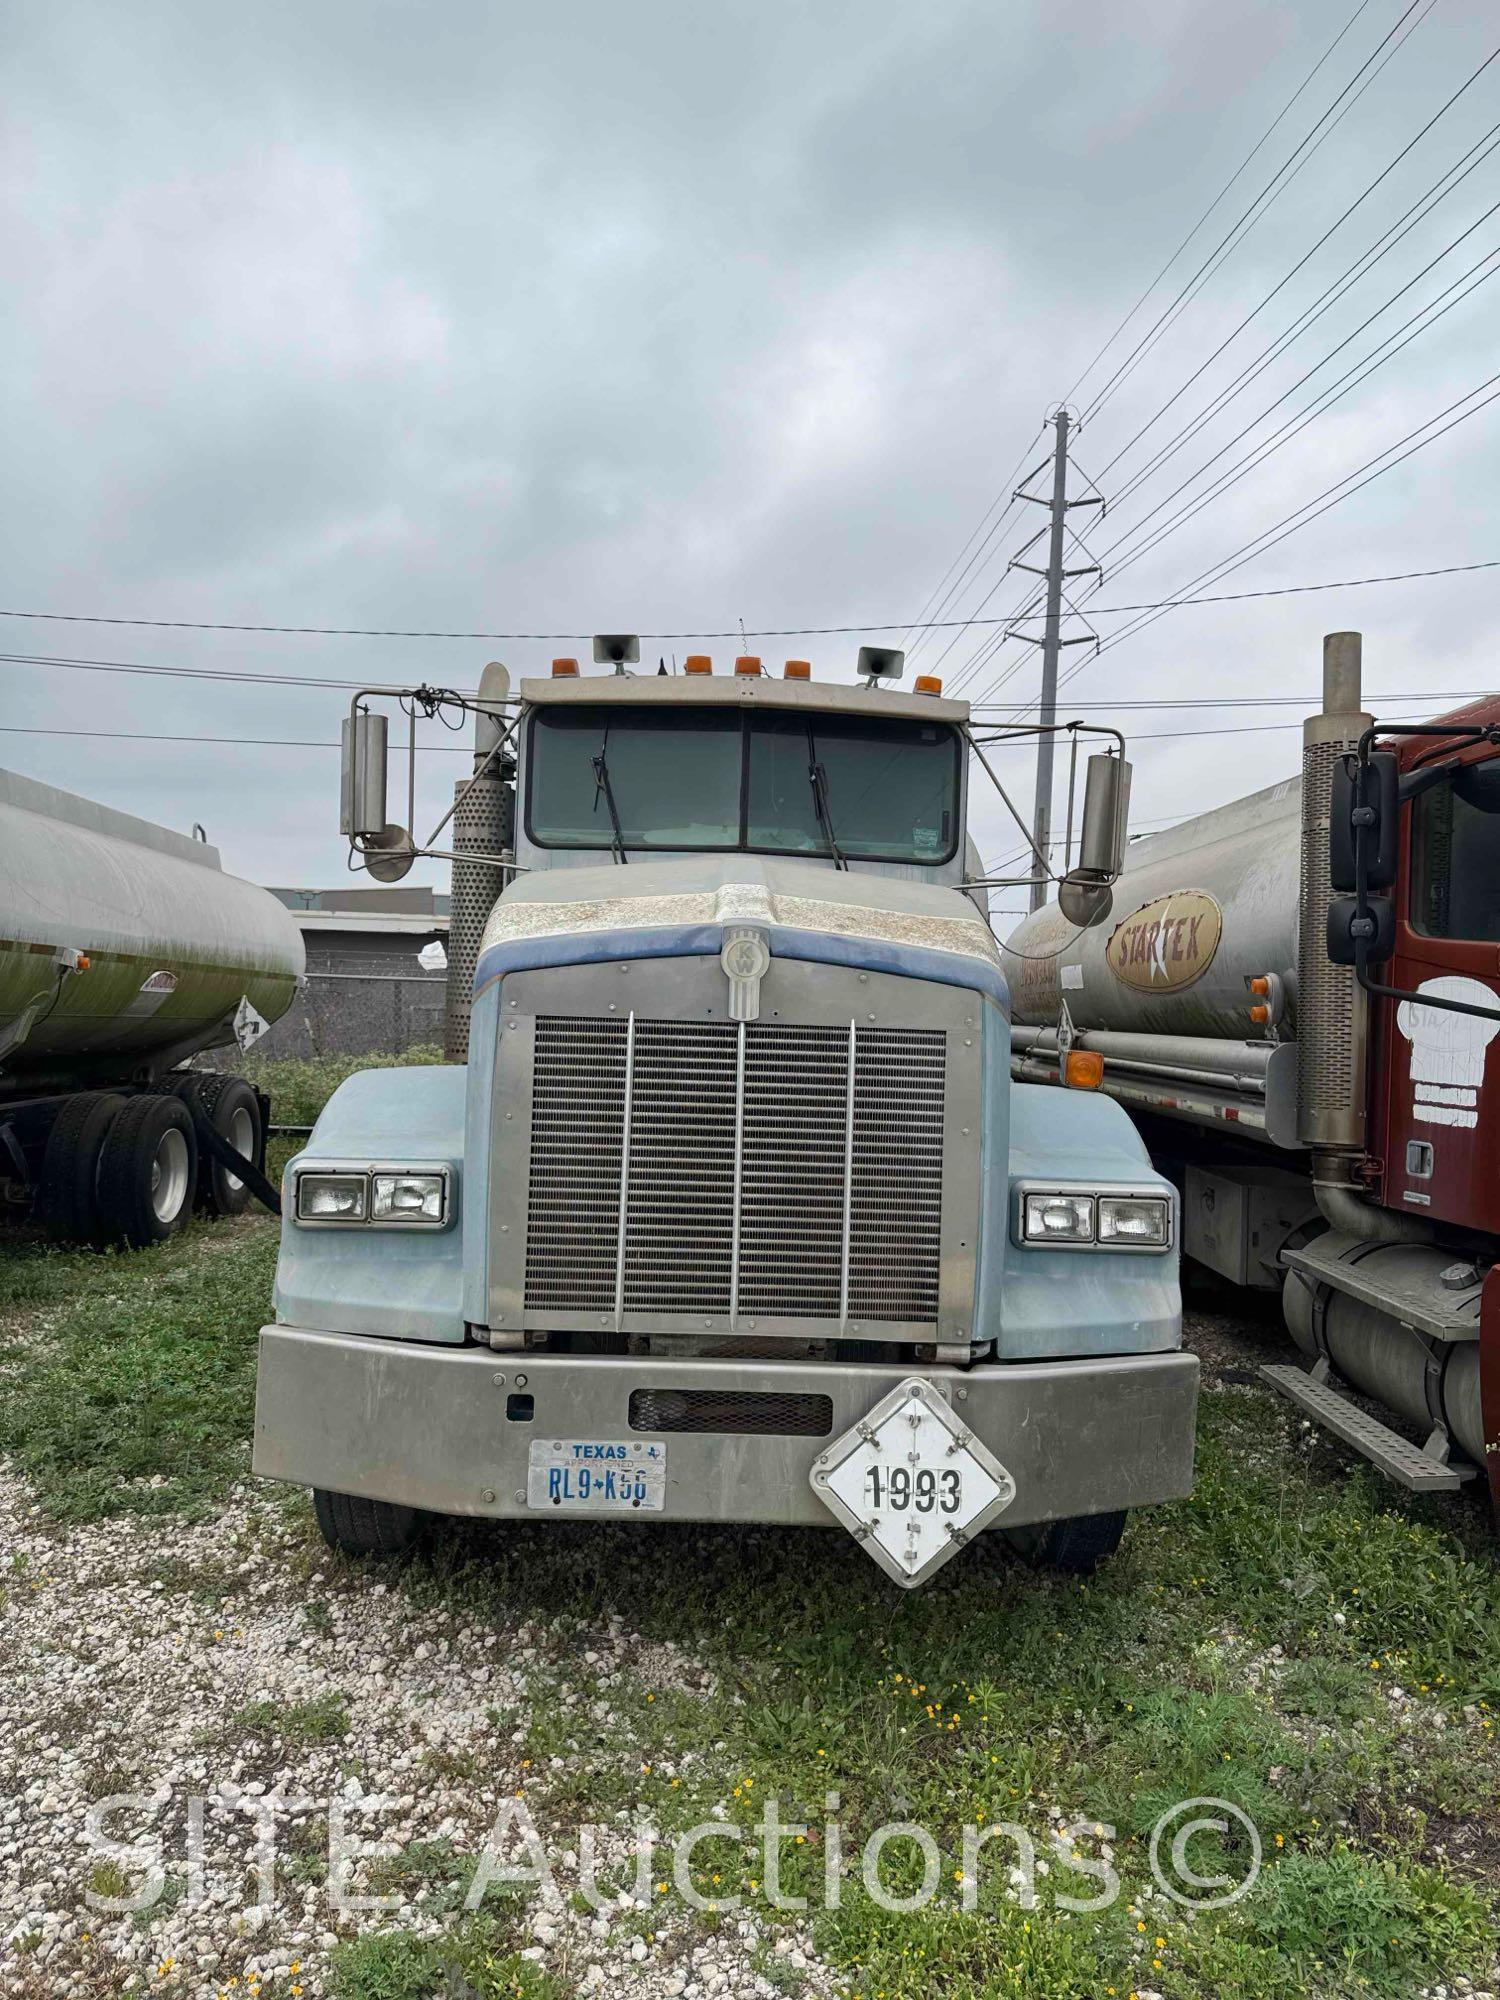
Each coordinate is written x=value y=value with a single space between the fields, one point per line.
x=331 y=1197
x=1059 y=1218
x=1145 y=1220
x=407 y=1198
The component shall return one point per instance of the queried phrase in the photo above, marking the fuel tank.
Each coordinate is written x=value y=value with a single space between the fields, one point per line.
x=176 y=949
x=1198 y=911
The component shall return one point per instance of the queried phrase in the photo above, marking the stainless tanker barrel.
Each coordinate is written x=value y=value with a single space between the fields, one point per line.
x=177 y=951
x=1198 y=911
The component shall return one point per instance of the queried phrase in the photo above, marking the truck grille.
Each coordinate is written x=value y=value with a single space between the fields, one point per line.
x=762 y=1169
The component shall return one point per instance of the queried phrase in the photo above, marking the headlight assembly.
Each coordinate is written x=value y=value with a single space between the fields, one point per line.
x=1097 y=1218
x=376 y=1196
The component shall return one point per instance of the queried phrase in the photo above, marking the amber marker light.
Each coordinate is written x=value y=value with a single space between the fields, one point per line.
x=697 y=663
x=563 y=670
x=797 y=670
x=927 y=684
x=747 y=663
x=1083 y=1069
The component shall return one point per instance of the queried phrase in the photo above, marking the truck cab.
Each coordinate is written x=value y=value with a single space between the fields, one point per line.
x=733 y=1211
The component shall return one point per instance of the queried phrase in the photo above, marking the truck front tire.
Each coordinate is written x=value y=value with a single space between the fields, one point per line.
x=360 y=1527
x=1073 y=1547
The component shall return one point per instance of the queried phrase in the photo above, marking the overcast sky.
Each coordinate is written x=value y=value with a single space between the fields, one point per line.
x=659 y=317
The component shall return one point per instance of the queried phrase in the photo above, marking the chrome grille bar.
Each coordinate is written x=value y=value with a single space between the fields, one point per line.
x=624 y=1169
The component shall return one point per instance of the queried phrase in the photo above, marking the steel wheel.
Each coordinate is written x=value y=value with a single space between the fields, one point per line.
x=170 y=1176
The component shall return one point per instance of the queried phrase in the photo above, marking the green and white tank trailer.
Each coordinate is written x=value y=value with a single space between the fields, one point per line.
x=731 y=1210
x=124 y=950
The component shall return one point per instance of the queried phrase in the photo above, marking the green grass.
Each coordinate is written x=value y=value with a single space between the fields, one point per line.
x=474 y=1959
x=1243 y=1646
x=324 y=1719
x=299 y=1089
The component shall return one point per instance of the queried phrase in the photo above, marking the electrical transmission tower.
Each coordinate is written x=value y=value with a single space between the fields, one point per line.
x=1052 y=639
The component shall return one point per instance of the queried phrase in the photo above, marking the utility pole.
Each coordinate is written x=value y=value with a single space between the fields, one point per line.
x=1052 y=640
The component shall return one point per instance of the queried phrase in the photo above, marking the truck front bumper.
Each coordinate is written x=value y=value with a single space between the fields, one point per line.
x=449 y=1428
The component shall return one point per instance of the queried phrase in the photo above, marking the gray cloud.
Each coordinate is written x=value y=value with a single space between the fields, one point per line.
x=664 y=316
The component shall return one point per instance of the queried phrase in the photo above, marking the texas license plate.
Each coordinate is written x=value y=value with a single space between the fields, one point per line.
x=596 y=1476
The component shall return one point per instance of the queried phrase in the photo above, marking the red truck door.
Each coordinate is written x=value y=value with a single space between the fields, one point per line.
x=1437 y=1088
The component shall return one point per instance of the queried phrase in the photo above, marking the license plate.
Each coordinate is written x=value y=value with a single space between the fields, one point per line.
x=596 y=1476
x=911 y=1482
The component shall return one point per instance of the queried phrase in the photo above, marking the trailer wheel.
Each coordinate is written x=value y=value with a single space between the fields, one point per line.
x=148 y=1172
x=233 y=1109
x=70 y=1165
x=1074 y=1547
x=361 y=1527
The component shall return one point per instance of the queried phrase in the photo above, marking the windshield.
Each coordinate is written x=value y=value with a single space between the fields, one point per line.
x=781 y=782
x=1456 y=857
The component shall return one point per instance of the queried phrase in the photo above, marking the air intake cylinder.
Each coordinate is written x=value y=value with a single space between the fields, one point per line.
x=483 y=824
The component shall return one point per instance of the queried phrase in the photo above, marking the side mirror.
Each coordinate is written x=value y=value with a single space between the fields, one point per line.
x=1346 y=929
x=1380 y=817
x=1106 y=813
x=363 y=775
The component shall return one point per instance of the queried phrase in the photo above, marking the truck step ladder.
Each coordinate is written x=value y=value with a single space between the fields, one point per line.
x=1419 y=1471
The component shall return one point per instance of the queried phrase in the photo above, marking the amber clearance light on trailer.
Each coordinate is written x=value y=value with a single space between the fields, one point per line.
x=697 y=663
x=1083 y=1069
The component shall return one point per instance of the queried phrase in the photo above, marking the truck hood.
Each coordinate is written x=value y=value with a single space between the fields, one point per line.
x=807 y=910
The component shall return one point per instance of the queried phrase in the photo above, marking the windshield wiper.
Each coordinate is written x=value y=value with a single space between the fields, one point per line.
x=817 y=777
x=602 y=784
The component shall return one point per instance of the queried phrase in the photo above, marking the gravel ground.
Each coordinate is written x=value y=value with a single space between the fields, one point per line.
x=230 y=1661
x=119 y=1680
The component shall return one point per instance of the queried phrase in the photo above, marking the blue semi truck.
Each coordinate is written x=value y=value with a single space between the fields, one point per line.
x=728 y=1208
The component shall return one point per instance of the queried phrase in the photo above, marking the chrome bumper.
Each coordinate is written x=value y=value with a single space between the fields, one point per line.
x=441 y=1427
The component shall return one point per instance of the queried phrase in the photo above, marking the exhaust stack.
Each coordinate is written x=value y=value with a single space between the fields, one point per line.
x=1332 y=1011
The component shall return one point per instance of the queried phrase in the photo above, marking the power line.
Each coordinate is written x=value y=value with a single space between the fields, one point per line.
x=787 y=632
x=1290 y=524
x=212 y=674
x=1426 y=317
x=1331 y=497
x=1260 y=142
x=1361 y=267
x=460 y=750
x=1358 y=201
x=991 y=648
x=1259 y=207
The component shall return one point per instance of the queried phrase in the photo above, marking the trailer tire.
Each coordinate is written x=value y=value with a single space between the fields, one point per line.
x=148 y=1172
x=360 y=1527
x=233 y=1109
x=1073 y=1547
x=70 y=1165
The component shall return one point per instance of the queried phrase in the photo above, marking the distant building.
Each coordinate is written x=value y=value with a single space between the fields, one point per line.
x=376 y=976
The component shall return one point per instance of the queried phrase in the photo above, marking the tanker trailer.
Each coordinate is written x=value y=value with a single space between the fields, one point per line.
x=1296 y=1000
x=124 y=950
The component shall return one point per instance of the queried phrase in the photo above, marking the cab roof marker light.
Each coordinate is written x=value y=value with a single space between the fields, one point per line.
x=747 y=663
x=564 y=670
x=697 y=663
x=927 y=684
x=797 y=670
